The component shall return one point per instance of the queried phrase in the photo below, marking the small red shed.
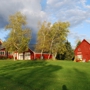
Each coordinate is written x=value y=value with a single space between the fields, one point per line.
x=30 y=54
x=3 y=53
x=82 y=52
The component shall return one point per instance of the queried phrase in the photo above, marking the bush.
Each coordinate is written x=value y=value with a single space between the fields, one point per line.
x=3 y=57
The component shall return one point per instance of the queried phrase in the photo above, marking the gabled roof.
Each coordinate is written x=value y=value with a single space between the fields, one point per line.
x=32 y=48
x=81 y=44
x=84 y=40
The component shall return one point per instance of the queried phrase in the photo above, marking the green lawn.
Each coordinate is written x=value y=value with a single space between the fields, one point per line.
x=44 y=75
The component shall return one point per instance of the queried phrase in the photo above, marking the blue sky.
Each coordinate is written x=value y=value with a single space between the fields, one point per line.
x=77 y=12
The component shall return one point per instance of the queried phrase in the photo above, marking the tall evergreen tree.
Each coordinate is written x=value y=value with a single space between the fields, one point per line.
x=78 y=43
x=68 y=54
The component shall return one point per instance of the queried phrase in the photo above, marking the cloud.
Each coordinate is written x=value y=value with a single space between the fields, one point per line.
x=30 y=8
x=77 y=36
x=74 y=37
x=74 y=11
x=8 y=8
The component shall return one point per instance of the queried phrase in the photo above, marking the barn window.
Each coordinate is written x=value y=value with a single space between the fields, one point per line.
x=27 y=56
x=79 y=49
x=2 y=52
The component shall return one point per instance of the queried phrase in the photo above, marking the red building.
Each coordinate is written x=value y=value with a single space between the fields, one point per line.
x=2 y=51
x=82 y=52
x=27 y=55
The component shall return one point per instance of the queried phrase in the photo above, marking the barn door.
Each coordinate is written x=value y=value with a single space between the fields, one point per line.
x=21 y=56
x=79 y=57
x=27 y=56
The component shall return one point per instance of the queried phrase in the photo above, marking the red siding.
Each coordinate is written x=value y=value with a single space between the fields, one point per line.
x=33 y=55
x=5 y=55
x=43 y=56
x=84 y=50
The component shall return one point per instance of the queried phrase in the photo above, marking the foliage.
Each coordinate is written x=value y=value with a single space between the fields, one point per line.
x=44 y=75
x=51 y=38
x=78 y=43
x=58 y=34
x=68 y=54
x=42 y=37
x=19 y=35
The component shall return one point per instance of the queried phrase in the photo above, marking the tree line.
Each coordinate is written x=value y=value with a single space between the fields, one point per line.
x=51 y=38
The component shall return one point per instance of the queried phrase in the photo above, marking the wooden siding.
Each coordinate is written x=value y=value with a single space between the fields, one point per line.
x=84 y=50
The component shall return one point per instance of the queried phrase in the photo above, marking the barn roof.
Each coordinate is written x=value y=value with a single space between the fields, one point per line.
x=32 y=47
x=84 y=40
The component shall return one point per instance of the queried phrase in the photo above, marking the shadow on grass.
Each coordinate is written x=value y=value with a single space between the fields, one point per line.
x=64 y=87
x=23 y=64
x=34 y=75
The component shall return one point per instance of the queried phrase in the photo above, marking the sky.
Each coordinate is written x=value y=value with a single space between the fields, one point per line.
x=77 y=12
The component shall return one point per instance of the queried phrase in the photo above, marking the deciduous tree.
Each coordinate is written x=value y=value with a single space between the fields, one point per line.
x=52 y=37
x=19 y=35
x=58 y=36
x=42 y=37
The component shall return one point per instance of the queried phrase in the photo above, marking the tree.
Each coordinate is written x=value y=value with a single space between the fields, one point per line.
x=68 y=54
x=51 y=38
x=78 y=43
x=42 y=37
x=19 y=35
x=58 y=35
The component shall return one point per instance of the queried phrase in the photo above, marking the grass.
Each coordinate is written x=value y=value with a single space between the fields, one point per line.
x=44 y=75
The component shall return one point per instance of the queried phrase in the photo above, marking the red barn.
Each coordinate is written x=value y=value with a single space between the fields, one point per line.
x=32 y=55
x=27 y=55
x=82 y=52
x=3 y=53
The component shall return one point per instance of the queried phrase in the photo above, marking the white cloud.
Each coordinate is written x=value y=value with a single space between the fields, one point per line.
x=74 y=11
x=88 y=21
x=34 y=13
x=30 y=8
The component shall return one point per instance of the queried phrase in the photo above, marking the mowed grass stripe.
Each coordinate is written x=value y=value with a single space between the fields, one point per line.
x=44 y=75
